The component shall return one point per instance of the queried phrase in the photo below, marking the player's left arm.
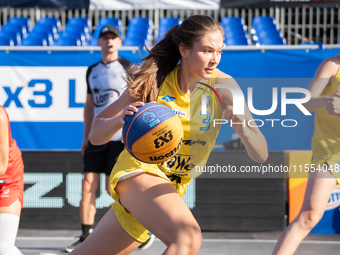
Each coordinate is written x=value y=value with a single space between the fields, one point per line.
x=251 y=136
x=324 y=76
x=4 y=146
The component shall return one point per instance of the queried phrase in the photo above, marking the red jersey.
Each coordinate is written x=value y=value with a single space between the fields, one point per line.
x=15 y=168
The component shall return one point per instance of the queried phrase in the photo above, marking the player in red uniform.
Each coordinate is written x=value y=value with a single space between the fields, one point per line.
x=11 y=187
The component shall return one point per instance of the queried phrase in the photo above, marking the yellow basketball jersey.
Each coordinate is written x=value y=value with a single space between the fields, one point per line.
x=199 y=133
x=326 y=139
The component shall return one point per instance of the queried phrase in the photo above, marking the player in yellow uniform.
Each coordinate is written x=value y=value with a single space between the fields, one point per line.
x=148 y=196
x=324 y=171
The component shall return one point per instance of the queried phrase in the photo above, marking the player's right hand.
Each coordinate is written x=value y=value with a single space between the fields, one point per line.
x=131 y=109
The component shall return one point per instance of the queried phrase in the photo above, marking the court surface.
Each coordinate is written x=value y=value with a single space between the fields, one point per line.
x=50 y=242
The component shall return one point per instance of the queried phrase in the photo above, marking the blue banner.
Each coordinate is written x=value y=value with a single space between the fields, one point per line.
x=44 y=93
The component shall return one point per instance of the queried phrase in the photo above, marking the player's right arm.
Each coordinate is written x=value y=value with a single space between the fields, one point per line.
x=323 y=77
x=108 y=122
x=4 y=139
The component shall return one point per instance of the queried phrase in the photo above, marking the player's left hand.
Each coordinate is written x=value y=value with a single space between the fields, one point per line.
x=333 y=105
x=237 y=121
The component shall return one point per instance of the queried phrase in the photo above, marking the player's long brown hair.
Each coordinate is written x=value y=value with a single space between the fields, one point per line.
x=164 y=56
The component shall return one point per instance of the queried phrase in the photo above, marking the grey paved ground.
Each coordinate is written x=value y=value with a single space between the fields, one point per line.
x=34 y=242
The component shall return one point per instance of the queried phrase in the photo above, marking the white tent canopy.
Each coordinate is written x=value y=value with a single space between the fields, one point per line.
x=154 y=4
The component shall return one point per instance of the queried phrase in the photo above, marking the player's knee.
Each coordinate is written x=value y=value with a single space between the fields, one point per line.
x=196 y=240
x=191 y=239
x=89 y=186
x=308 y=219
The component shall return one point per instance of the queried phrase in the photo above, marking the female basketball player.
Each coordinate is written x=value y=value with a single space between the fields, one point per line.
x=324 y=170
x=148 y=197
x=11 y=187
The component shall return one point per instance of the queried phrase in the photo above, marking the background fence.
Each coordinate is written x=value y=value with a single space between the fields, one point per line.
x=298 y=24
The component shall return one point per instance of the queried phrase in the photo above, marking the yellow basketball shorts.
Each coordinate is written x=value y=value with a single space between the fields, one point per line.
x=127 y=166
x=333 y=166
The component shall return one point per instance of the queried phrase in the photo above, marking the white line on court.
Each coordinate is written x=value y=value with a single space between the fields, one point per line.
x=204 y=240
x=264 y=241
x=44 y=238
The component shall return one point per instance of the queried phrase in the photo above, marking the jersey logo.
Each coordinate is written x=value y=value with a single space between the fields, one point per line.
x=168 y=98
x=191 y=142
x=2 y=181
x=179 y=113
x=101 y=97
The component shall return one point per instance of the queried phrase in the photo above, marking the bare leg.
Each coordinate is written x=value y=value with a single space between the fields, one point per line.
x=318 y=191
x=88 y=202
x=162 y=211
x=155 y=203
x=108 y=238
x=14 y=208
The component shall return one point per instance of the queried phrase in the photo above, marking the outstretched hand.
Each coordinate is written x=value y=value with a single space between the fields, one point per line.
x=236 y=120
x=333 y=103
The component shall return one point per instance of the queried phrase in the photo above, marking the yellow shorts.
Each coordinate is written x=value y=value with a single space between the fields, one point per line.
x=127 y=166
x=334 y=166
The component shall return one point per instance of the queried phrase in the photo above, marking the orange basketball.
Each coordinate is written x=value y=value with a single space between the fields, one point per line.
x=153 y=134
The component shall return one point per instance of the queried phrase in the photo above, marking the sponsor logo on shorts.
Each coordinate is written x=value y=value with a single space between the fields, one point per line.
x=179 y=165
x=5 y=193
